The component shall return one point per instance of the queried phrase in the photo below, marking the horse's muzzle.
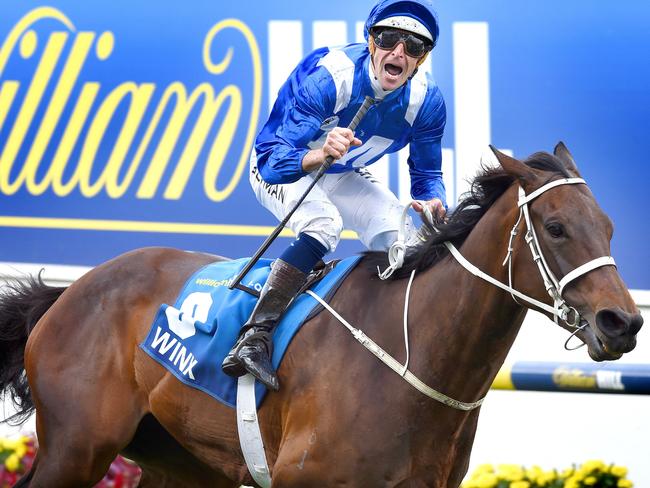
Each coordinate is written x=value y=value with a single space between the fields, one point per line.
x=617 y=329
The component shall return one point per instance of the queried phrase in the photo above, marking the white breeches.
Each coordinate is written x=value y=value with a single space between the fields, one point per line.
x=353 y=200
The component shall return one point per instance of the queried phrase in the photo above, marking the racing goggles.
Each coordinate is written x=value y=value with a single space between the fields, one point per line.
x=414 y=45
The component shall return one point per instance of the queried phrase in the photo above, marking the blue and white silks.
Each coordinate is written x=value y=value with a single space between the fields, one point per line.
x=324 y=91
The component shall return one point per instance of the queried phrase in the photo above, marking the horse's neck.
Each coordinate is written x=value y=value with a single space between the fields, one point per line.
x=465 y=326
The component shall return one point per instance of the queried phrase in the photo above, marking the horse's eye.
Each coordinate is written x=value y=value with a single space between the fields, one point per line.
x=556 y=230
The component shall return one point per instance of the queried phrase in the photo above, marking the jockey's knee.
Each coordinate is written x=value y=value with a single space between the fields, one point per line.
x=326 y=230
x=321 y=220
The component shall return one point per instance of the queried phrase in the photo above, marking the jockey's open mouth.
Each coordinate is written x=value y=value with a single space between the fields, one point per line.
x=393 y=70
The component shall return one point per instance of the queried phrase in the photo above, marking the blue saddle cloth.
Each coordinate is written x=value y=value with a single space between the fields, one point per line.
x=192 y=338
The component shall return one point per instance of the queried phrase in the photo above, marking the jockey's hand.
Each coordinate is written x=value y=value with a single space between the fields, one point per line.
x=435 y=206
x=338 y=142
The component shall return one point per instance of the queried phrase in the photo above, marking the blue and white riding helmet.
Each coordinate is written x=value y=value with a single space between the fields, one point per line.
x=415 y=16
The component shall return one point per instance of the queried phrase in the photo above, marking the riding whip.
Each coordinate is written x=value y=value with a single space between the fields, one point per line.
x=367 y=103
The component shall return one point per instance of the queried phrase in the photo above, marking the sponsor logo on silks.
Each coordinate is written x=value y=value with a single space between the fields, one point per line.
x=275 y=191
x=212 y=283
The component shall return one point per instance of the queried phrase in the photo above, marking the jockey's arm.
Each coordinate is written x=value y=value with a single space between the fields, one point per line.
x=282 y=147
x=425 y=157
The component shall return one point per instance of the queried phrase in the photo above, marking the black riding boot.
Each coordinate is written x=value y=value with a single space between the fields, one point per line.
x=252 y=351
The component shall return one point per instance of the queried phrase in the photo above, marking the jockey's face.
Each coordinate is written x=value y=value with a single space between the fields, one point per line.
x=393 y=66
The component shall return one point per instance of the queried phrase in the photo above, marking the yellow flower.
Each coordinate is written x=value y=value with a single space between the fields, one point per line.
x=572 y=482
x=10 y=444
x=545 y=478
x=533 y=473
x=510 y=472
x=593 y=465
x=484 y=468
x=12 y=463
x=567 y=472
x=590 y=480
x=520 y=484
x=624 y=483
x=486 y=480
x=620 y=471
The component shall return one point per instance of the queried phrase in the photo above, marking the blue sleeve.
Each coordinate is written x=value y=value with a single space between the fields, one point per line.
x=294 y=122
x=425 y=157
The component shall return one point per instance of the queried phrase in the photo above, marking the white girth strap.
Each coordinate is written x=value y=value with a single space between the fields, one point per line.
x=250 y=437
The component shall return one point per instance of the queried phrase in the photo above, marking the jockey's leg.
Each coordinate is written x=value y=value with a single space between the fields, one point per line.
x=254 y=348
x=369 y=208
x=318 y=226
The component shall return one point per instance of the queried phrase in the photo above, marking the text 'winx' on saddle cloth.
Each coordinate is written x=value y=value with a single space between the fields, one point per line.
x=192 y=338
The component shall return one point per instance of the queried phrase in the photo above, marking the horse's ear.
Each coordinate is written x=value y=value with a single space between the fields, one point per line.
x=526 y=175
x=563 y=154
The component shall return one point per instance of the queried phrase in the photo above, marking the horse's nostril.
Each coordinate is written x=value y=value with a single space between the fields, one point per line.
x=635 y=324
x=613 y=323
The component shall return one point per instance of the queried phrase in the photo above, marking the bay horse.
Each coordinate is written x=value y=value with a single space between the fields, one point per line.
x=341 y=417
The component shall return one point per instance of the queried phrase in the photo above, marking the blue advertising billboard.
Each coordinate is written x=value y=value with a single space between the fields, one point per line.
x=129 y=124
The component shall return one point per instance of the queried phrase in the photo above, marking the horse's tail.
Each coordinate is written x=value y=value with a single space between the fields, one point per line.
x=22 y=304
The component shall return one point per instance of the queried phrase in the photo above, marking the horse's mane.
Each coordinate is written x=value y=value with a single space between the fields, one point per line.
x=486 y=188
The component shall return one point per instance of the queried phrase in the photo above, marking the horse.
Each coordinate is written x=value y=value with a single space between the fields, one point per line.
x=341 y=418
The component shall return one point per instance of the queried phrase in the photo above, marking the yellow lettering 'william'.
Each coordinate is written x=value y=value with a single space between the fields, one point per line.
x=116 y=175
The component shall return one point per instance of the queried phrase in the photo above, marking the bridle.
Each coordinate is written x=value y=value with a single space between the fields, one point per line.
x=560 y=310
x=554 y=287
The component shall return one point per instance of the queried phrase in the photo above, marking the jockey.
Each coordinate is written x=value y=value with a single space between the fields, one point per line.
x=307 y=124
